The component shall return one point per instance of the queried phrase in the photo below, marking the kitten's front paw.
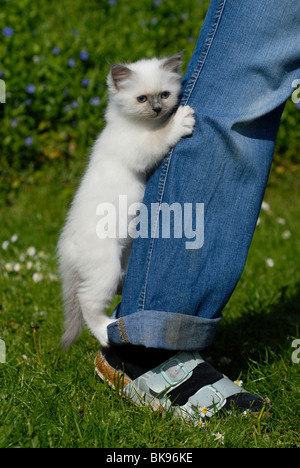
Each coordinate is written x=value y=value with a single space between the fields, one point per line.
x=185 y=119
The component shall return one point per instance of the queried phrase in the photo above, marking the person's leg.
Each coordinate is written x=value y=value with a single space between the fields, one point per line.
x=238 y=79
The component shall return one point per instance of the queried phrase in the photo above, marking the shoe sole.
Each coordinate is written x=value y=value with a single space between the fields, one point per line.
x=115 y=378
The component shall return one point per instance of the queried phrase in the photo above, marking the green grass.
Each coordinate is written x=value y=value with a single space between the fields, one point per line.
x=51 y=398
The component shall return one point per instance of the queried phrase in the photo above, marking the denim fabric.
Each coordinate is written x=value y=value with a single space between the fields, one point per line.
x=238 y=80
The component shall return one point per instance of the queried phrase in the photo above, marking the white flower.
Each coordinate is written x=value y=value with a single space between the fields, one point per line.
x=9 y=266
x=5 y=245
x=239 y=383
x=265 y=206
x=29 y=265
x=281 y=221
x=22 y=257
x=258 y=221
x=42 y=254
x=269 y=262
x=219 y=436
x=286 y=234
x=31 y=251
x=203 y=411
x=52 y=277
x=14 y=238
x=200 y=423
x=37 y=277
x=17 y=267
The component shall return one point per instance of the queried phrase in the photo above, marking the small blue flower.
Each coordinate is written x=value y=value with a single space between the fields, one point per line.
x=66 y=92
x=71 y=63
x=30 y=89
x=84 y=55
x=29 y=141
x=95 y=101
x=28 y=102
x=56 y=51
x=74 y=104
x=298 y=105
x=8 y=31
x=156 y=3
x=85 y=81
x=112 y=3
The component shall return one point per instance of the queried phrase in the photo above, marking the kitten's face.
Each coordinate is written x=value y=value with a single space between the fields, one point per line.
x=148 y=89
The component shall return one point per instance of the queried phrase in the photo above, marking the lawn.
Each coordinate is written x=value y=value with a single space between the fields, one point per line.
x=54 y=58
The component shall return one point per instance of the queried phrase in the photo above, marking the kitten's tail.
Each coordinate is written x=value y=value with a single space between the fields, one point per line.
x=73 y=314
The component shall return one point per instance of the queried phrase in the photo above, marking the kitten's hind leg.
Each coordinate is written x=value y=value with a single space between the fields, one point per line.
x=95 y=294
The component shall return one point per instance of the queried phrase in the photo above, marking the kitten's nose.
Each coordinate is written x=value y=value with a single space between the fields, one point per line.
x=157 y=109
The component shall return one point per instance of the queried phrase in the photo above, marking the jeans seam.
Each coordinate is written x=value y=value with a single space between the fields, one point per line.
x=165 y=167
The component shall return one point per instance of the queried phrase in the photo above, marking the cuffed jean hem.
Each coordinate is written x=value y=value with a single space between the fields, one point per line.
x=165 y=330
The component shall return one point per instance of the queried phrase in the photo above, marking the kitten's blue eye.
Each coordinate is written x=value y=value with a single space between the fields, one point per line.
x=142 y=99
x=165 y=95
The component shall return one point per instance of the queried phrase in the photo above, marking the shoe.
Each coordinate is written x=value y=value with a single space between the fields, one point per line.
x=184 y=384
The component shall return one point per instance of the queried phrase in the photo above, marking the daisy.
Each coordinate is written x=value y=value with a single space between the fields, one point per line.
x=265 y=206
x=5 y=245
x=9 y=267
x=14 y=238
x=31 y=251
x=286 y=234
x=269 y=262
x=281 y=221
x=219 y=436
x=17 y=267
x=25 y=358
x=52 y=277
x=29 y=265
x=239 y=383
x=203 y=411
x=37 y=277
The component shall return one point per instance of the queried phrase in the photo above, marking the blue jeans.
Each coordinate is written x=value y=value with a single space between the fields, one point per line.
x=238 y=80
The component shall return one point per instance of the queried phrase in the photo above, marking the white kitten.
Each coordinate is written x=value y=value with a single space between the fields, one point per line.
x=141 y=127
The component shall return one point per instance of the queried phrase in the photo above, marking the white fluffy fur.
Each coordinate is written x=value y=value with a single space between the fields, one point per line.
x=134 y=141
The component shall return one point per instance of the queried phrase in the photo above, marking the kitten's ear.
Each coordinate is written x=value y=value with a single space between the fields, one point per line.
x=173 y=63
x=118 y=74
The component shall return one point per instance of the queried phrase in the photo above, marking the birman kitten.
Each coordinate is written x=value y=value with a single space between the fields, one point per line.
x=143 y=122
